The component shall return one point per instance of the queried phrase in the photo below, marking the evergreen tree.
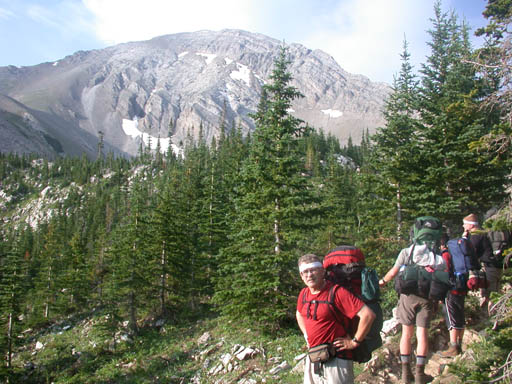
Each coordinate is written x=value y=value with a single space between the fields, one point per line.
x=337 y=201
x=394 y=156
x=196 y=192
x=455 y=179
x=47 y=279
x=494 y=62
x=173 y=244
x=274 y=214
x=78 y=272
x=131 y=262
x=12 y=295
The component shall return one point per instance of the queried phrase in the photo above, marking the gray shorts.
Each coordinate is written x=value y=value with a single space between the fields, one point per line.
x=334 y=371
x=493 y=276
x=414 y=310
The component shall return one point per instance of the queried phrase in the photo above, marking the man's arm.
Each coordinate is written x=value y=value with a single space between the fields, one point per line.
x=302 y=325
x=300 y=321
x=366 y=318
x=389 y=276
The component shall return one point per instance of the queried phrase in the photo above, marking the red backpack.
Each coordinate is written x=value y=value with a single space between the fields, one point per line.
x=344 y=265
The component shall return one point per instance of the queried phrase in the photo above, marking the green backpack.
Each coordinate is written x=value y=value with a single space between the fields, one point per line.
x=427 y=230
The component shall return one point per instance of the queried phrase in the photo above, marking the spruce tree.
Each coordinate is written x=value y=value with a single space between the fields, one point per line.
x=455 y=178
x=494 y=62
x=336 y=192
x=274 y=213
x=47 y=280
x=394 y=156
x=13 y=280
x=131 y=260
x=172 y=244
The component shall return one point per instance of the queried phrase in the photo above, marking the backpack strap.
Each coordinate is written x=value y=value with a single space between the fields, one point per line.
x=332 y=305
x=330 y=302
x=409 y=258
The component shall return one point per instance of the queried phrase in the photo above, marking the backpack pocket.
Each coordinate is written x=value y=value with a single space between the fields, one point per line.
x=424 y=282
x=406 y=282
x=461 y=281
x=440 y=285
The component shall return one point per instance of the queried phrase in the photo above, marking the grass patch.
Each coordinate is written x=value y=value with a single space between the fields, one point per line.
x=167 y=354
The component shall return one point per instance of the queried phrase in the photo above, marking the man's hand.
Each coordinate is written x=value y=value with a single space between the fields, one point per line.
x=344 y=343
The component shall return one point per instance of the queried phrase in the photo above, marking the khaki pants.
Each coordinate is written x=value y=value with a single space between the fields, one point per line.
x=335 y=371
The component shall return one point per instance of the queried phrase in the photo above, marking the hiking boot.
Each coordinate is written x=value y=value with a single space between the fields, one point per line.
x=421 y=377
x=452 y=351
x=407 y=376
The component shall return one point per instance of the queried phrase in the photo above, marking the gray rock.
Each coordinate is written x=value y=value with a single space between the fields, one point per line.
x=281 y=367
x=205 y=338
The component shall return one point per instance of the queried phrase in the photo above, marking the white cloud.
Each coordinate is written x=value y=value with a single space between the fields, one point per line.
x=128 y=20
x=365 y=36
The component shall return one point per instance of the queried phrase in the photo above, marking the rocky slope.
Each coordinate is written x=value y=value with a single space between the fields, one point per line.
x=171 y=85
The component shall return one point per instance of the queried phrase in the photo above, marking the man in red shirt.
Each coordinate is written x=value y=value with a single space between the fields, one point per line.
x=321 y=323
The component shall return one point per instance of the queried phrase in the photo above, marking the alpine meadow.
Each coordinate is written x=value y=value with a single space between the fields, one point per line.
x=160 y=267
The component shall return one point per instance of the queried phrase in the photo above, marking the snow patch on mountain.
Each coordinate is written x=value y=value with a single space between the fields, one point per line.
x=243 y=73
x=130 y=128
x=334 y=113
x=209 y=57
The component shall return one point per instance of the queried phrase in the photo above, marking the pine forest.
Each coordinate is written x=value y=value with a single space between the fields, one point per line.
x=215 y=231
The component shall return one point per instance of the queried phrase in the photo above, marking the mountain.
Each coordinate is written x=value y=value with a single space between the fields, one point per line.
x=170 y=86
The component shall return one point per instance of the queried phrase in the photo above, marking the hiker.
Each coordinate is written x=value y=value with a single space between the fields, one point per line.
x=324 y=311
x=484 y=253
x=455 y=298
x=412 y=308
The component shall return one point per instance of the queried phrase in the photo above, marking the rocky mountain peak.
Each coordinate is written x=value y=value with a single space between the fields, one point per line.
x=170 y=86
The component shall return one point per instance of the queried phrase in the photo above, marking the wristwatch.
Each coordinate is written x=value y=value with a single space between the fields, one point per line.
x=354 y=339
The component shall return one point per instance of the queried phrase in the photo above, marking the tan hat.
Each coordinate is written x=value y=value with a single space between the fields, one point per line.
x=470 y=219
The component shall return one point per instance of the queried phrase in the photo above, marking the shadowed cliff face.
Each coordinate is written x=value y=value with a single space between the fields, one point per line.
x=171 y=85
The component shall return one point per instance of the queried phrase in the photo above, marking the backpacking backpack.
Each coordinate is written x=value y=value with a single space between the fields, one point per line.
x=427 y=230
x=345 y=266
x=429 y=283
x=500 y=241
x=463 y=260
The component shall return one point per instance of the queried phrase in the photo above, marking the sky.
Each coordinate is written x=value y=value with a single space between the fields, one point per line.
x=364 y=36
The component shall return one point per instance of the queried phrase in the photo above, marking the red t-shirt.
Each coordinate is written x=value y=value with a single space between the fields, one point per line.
x=326 y=328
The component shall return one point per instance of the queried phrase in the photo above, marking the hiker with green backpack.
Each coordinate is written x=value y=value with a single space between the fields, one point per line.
x=413 y=270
